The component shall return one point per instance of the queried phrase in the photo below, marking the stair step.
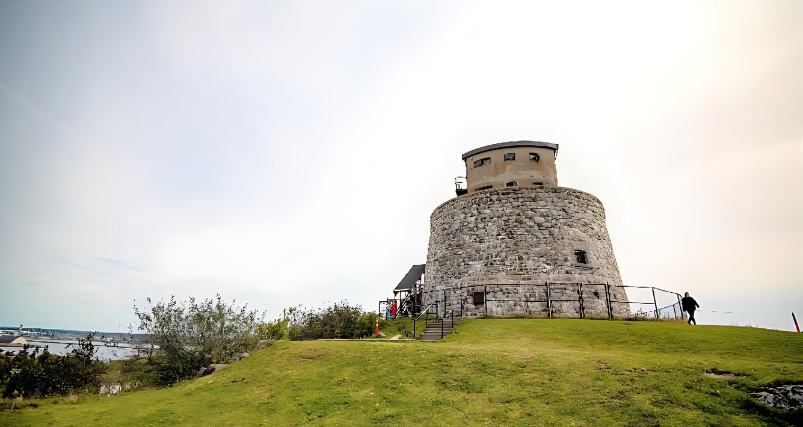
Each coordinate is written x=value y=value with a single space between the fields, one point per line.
x=436 y=330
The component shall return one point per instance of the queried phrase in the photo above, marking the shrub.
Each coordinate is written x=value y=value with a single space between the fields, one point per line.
x=276 y=329
x=189 y=335
x=43 y=374
x=338 y=320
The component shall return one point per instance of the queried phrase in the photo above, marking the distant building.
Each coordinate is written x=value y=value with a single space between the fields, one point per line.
x=12 y=341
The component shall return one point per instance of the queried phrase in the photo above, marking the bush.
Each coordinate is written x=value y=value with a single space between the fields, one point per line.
x=187 y=335
x=44 y=374
x=276 y=329
x=339 y=320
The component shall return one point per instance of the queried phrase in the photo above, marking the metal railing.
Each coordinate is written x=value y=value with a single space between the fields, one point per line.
x=425 y=314
x=582 y=291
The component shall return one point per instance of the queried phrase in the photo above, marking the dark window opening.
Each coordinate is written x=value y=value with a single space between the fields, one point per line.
x=480 y=162
x=581 y=257
x=484 y=188
x=511 y=184
x=479 y=298
x=510 y=156
x=535 y=156
x=538 y=183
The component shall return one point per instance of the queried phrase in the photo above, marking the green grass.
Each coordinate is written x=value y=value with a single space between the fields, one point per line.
x=490 y=372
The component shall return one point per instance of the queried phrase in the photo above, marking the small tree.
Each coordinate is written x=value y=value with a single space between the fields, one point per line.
x=189 y=335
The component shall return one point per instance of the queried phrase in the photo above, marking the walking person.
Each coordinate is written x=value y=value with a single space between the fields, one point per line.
x=689 y=305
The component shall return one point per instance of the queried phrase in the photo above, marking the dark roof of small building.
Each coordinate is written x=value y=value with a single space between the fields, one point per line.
x=410 y=278
x=511 y=144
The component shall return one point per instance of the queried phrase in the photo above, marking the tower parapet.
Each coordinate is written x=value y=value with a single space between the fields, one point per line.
x=511 y=164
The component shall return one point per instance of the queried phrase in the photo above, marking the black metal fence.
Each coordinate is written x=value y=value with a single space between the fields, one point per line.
x=645 y=302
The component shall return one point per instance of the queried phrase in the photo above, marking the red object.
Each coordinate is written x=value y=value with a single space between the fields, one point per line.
x=795 y=319
x=393 y=308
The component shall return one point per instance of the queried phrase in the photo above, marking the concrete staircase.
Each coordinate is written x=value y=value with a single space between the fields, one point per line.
x=440 y=329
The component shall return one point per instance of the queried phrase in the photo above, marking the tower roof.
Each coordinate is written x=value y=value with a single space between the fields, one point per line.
x=511 y=144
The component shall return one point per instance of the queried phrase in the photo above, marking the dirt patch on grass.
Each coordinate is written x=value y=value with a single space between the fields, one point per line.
x=716 y=373
x=311 y=354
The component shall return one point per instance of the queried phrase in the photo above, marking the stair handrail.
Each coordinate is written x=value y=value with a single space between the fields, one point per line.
x=405 y=301
x=426 y=311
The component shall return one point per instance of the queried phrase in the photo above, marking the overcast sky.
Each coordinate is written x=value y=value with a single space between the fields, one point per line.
x=285 y=153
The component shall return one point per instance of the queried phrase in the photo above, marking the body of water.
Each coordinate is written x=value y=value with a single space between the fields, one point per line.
x=62 y=347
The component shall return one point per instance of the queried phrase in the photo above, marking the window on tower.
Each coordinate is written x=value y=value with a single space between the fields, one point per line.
x=480 y=162
x=581 y=257
x=510 y=156
x=512 y=184
x=535 y=156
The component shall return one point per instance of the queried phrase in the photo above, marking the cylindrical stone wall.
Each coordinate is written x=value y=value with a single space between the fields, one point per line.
x=508 y=243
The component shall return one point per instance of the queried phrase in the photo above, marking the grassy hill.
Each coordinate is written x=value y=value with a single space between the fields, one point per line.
x=490 y=372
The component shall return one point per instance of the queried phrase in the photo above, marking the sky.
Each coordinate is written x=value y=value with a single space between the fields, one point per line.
x=286 y=153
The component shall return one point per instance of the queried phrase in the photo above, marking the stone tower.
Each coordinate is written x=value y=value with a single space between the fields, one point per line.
x=512 y=230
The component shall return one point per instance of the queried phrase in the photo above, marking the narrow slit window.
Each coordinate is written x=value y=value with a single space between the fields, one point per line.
x=538 y=183
x=511 y=184
x=535 y=157
x=581 y=257
x=510 y=156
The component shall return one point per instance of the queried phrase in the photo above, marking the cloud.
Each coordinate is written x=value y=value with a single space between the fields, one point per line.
x=117 y=264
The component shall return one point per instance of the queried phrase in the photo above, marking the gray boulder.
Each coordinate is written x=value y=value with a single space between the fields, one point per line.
x=210 y=369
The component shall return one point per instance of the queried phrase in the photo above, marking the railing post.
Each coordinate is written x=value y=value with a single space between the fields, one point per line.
x=485 y=299
x=580 y=299
x=548 y=300
x=608 y=300
x=655 y=301
x=680 y=306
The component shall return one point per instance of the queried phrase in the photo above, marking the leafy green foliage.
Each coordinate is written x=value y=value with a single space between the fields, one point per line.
x=338 y=320
x=186 y=336
x=38 y=373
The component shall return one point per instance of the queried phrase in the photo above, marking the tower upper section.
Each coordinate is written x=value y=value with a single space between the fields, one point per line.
x=511 y=164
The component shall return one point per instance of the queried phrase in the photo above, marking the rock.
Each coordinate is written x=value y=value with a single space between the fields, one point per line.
x=782 y=397
x=210 y=369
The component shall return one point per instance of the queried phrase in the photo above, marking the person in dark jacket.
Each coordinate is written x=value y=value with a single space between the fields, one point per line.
x=689 y=305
